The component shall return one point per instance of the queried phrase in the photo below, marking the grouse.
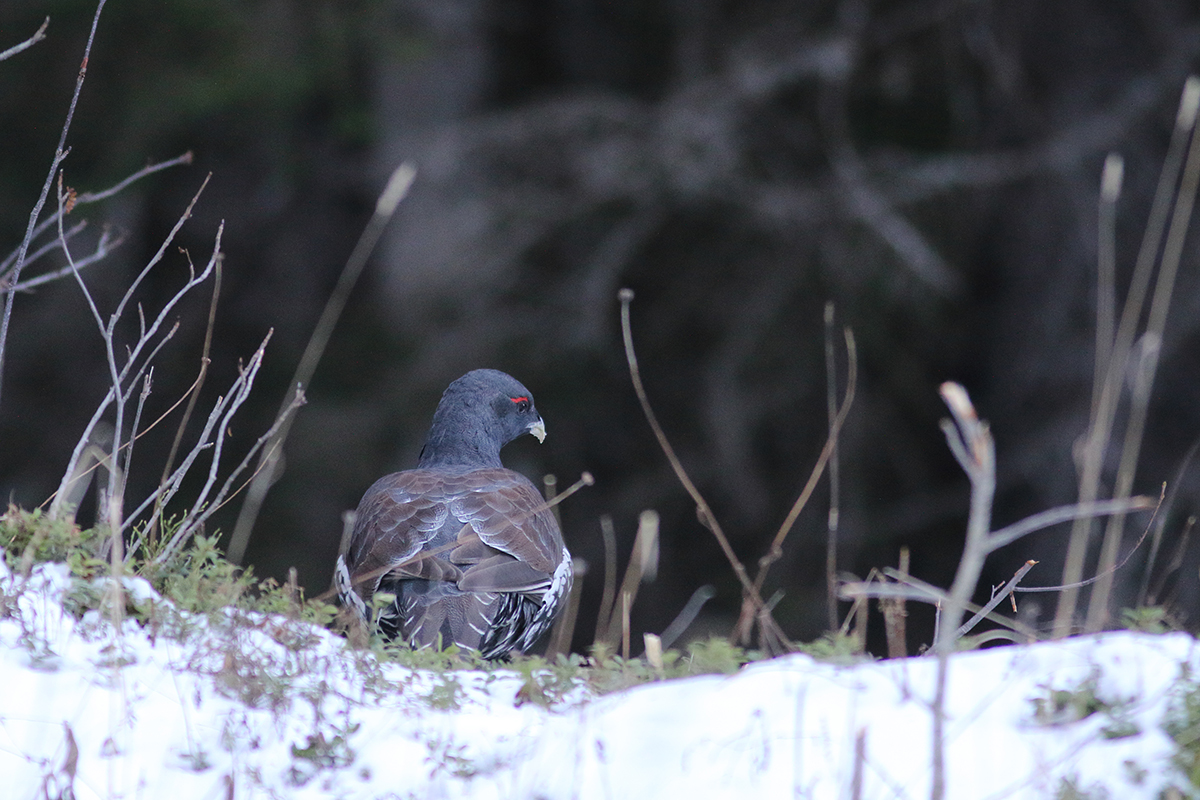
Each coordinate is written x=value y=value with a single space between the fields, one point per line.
x=468 y=549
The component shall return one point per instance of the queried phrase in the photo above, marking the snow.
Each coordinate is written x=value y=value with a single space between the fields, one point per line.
x=255 y=706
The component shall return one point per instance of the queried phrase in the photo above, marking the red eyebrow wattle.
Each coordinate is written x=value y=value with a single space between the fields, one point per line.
x=519 y=399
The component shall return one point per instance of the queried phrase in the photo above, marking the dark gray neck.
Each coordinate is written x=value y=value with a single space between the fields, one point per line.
x=449 y=453
x=460 y=439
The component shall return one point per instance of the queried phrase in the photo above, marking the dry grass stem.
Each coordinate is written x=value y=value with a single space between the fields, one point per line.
x=654 y=652
x=1106 y=271
x=396 y=189
x=1104 y=409
x=643 y=564
x=626 y=602
x=608 y=597
x=1185 y=197
x=687 y=615
x=550 y=490
x=831 y=411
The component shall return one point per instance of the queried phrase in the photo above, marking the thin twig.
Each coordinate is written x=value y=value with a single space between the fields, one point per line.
x=918 y=590
x=997 y=598
x=38 y=35
x=137 y=418
x=134 y=362
x=239 y=393
x=707 y=518
x=193 y=398
x=84 y=199
x=775 y=551
x=1054 y=516
x=189 y=526
x=218 y=420
x=1169 y=502
x=115 y=493
x=1108 y=572
x=60 y=153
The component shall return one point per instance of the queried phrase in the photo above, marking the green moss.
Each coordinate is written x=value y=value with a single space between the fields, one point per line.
x=31 y=537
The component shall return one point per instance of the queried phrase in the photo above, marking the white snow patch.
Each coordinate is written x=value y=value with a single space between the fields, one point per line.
x=251 y=705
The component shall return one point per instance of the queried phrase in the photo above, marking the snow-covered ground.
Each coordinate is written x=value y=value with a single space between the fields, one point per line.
x=191 y=708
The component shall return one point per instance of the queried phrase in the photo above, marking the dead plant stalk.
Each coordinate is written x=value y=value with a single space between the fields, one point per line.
x=703 y=511
x=60 y=153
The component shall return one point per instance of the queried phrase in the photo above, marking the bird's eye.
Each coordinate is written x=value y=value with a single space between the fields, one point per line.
x=522 y=403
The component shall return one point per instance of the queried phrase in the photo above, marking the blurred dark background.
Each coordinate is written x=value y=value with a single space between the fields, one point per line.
x=930 y=167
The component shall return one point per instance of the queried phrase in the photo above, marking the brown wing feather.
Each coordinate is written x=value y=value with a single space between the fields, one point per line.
x=509 y=514
x=516 y=544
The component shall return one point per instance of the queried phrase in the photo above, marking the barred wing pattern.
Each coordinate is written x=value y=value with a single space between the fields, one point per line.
x=474 y=556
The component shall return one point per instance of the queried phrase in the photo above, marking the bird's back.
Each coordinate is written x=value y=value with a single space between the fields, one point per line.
x=472 y=556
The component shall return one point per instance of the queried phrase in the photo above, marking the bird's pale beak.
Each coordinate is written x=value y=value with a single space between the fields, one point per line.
x=538 y=429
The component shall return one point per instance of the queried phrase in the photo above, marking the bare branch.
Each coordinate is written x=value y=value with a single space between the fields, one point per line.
x=972 y=443
x=134 y=363
x=38 y=35
x=201 y=508
x=1054 y=516
x=193 y=398
x=1110 y=570
x=997 y=598
x=92 y=197
x=60 y=153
